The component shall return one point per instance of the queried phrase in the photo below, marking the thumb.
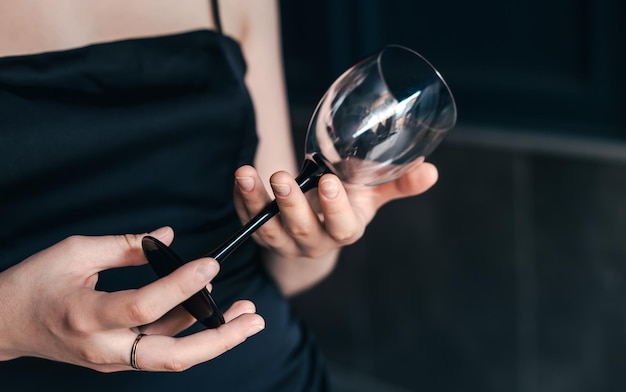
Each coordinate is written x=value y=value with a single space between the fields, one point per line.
x=414 y=182
x=113 y=251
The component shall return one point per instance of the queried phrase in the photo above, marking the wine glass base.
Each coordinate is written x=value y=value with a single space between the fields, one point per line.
x=164 y=261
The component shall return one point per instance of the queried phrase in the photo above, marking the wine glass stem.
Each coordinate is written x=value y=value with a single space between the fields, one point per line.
x=308 y=179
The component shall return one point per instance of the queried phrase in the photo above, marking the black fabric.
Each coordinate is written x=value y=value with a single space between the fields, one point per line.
x=125 y=137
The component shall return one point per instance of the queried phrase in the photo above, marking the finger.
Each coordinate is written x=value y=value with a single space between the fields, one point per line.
x=178 y=319
x=93 y=254
x=162 y=353
x=299 y=221
x=341 y=221
x=132 y=308
x=172 y=323
x=252 y=199
x=251 y=194
x=239 y=308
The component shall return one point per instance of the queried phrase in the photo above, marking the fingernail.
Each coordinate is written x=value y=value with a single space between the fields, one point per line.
x=160 y=232
x=329 y=189
x=206 y=271
x=280 y=189
x=254 y=330
x=245 y=183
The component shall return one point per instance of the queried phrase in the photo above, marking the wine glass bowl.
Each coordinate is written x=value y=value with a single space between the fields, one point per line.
x=384 y=113
x=381 y=117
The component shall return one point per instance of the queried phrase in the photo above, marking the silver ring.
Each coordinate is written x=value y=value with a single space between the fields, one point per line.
x=133 y=351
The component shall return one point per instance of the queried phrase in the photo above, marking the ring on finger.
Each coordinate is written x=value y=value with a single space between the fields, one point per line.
x=133 y=352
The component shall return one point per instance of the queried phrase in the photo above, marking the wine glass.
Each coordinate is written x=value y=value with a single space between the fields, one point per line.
x=381 y=117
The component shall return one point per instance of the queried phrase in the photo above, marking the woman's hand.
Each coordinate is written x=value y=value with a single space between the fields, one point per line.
x=318 y=224
x=51 y=310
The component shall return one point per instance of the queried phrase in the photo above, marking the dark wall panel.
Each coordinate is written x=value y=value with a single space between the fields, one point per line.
x=508 y=275
x=554 y=65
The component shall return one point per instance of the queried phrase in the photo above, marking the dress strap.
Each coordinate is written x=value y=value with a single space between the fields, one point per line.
x=216 y=15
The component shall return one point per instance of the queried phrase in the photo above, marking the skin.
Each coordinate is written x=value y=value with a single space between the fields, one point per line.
x=49 y=306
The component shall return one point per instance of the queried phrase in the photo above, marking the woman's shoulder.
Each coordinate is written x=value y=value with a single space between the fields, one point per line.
x=242 y=19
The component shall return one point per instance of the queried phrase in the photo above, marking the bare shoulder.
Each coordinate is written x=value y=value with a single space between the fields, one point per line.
x=245 y=20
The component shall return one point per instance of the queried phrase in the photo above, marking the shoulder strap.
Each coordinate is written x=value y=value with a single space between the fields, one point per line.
x=216 y=15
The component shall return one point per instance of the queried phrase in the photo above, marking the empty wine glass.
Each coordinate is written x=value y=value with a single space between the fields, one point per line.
x=381 y=117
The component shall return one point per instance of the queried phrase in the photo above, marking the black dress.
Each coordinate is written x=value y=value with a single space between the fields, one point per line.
x=125 y=137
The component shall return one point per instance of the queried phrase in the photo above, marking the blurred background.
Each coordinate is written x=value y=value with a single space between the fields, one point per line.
x=508 y=275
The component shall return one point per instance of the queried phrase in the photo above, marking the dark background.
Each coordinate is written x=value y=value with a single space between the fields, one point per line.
x=509 y=274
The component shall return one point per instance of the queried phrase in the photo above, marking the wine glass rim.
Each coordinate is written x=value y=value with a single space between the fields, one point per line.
x=429 y=64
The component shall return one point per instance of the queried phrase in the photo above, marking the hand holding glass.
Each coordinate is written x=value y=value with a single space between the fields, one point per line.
x=381 y=117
